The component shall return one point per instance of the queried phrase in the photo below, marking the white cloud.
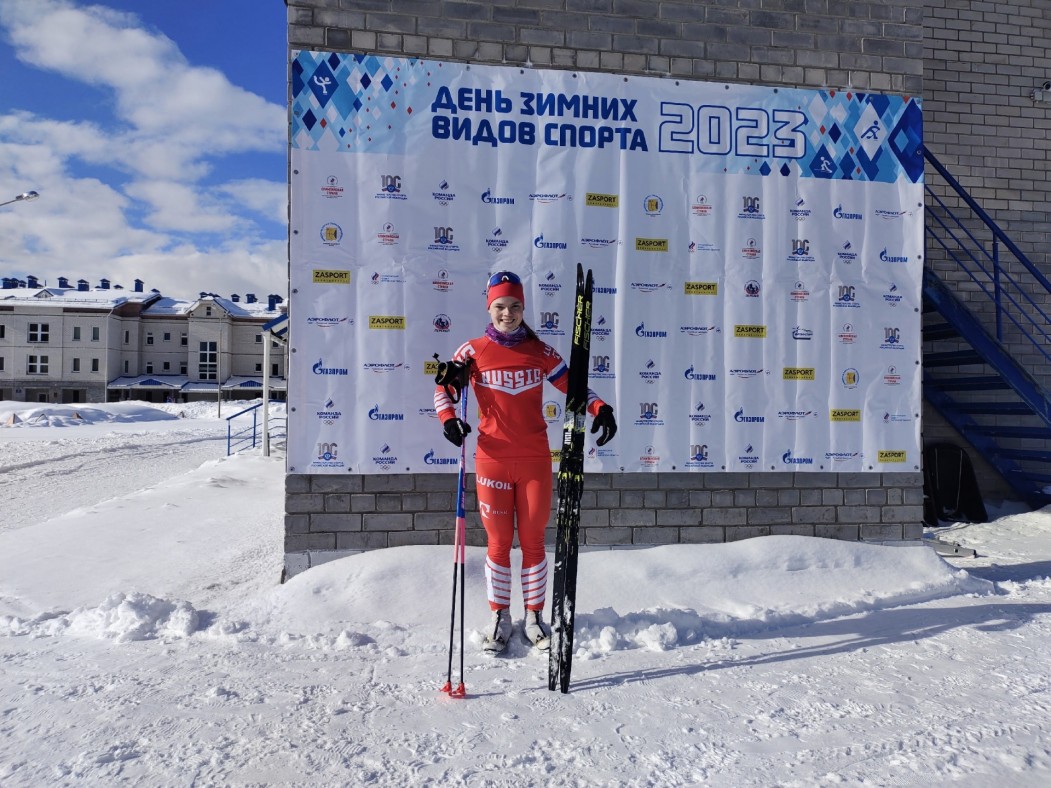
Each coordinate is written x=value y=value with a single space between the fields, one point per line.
x=167 y=126
x=176 y=206
x=266 y=198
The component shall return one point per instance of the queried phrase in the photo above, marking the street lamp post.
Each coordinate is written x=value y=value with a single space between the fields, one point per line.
x=23 y=197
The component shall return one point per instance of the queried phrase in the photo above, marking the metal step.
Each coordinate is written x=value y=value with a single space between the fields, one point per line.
x=1036 y=433
x=995 y=408
x=1025 y=455
x=972 y=383
x=936 y=331
x=952 y=358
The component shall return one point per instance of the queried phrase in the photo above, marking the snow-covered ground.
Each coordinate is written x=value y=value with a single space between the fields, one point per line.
x=145 y=639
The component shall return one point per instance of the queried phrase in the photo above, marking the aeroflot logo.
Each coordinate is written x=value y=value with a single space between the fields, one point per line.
x=512 y=381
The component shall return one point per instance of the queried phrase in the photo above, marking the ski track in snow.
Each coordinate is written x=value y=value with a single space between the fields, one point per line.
x=111 y=466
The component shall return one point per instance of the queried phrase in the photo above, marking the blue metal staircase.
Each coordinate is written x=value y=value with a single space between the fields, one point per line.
x=985 y=334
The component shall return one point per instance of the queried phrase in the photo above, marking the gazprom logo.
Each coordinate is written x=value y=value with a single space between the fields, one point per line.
x=642 y=331
x=430 y=458
x=489 y=199
x=375 y=414
x=891 y=258
x=839 y=213
x=320 y=369
x=789 y=459
x=741 y=418
x=691 y=374
x=540 y=243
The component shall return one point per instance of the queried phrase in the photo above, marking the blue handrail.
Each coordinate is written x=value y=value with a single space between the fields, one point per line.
x=247 y=437
x=981 y=262
x=1000 y=235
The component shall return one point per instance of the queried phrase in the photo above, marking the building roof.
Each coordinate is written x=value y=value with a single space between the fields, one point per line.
x=152 y=303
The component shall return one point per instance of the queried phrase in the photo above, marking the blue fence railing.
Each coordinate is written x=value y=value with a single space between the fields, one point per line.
x=244 y=429
x=976 y=246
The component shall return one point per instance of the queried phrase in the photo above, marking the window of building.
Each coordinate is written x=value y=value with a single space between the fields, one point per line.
x=127 y=337
x=76 y=333
x=149 y=367
x=39 y=332
x=167 y=366
x=94 y=365
x=36 y=365
x=208 y=361
x=76 y=365
x=207 y=311
x=183 y=367
x=3 y=330
x=126 y=367
x=167 y=336
x=1 y=363
x=259 y=339
x=275 y=370
x=95 y=333
x=149 y=337
x=183 y=339
x=259 y=367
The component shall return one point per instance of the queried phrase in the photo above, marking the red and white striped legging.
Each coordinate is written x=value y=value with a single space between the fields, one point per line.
x=509 y=492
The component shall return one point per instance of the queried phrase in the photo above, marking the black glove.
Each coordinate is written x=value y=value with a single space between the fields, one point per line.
x=456 y=430
x=604 y=421
x=452 y=376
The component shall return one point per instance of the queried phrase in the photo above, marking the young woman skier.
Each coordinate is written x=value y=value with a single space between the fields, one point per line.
x=506 y=367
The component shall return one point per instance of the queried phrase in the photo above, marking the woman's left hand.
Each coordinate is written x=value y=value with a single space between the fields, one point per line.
x=604 y=421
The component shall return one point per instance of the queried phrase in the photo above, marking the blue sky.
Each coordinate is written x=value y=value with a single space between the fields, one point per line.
x=155 y=133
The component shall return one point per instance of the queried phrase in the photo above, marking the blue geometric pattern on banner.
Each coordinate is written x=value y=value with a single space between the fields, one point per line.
x=357 y=103
x=906 y=140
x=352 y=99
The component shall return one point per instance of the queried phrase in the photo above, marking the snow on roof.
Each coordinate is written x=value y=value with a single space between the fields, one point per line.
x=154 y=303
x=64 y=297
x=248 y=382
x=173 y=382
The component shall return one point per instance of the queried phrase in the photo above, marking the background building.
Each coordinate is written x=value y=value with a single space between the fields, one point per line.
x=77 y=343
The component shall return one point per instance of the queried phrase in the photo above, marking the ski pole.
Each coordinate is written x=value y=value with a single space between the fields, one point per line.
x=459 y=567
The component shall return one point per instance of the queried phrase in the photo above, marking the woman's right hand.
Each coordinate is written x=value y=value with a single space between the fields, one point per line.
x=456 y=430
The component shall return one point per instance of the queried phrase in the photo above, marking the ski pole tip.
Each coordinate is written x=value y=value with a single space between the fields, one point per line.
x=459 y=691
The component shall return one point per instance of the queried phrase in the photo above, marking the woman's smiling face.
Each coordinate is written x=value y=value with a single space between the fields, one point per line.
x=506 y=313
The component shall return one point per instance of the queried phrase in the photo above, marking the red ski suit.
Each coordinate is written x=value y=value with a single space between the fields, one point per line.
x=513 y=475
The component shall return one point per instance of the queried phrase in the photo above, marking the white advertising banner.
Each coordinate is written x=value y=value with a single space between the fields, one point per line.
x=757 y=255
